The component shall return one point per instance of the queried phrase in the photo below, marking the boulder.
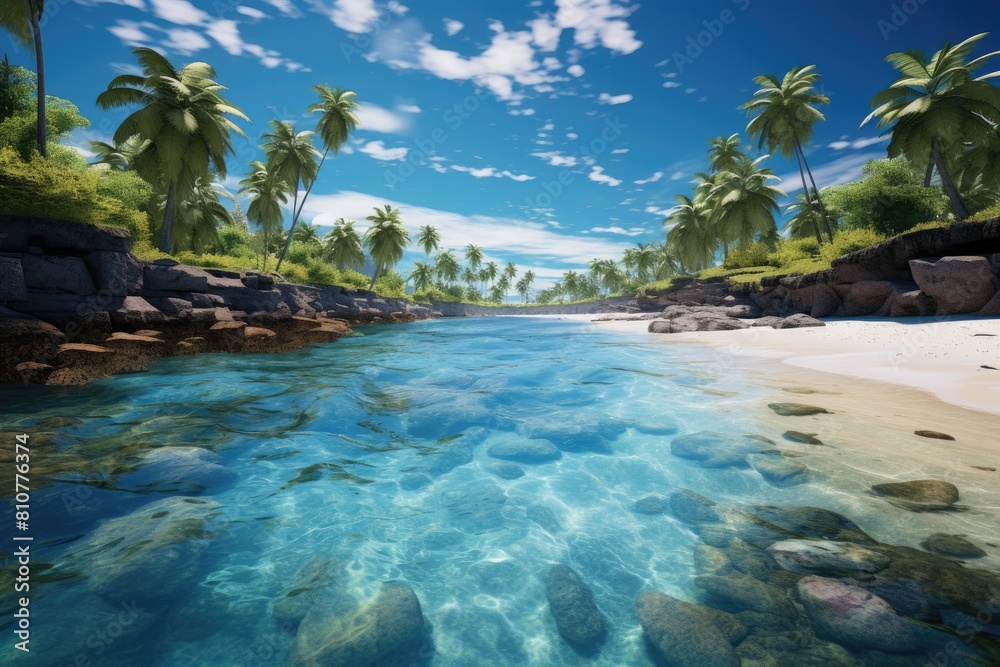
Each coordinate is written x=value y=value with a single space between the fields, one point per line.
x=114 y=273
x=691 y=507
x=683 y=634
x=152 y=552
x=934 y=435
x=951 y=546
x=797 y=409
x=920 y=495
x=134 y=311
x=651 y=505
x=912 y=304
x=53 y=236
x=780 y=471
x=826 y=557
x=389 y=627
x=798 y=322
x=803 y=438
x=524 y=451
x=771 y=321
x=826 y=302
x=12 y=287
x=958 y=285
x=744 y=592
x=59 y=274
x=992 y=308
x=867 y=297
x=684 y=319
x=814 y=522
x=304 y=591
x=457 y=454
x=33 y=372
x=24 y=339
x=506 y=470
x=175 y=278
x=572 y=605
x=856 y=618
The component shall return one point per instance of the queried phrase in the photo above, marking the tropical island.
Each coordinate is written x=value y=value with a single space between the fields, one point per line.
x=254 y=415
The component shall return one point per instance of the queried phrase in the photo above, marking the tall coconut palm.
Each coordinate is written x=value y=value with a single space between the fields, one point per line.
x=342 y=246
x=474 y=256
x=692 y=232
x=492 y=271
x=747 y=203
x=304 y=233
x=936 y=108
x=422 y=276
x=523 y=286
x=571 y=284
x=295 y=158
x=665 y=261
x=804 y=218
x=428 y=239
x=22 y=19
x=268 y=193
x=644 y=260
x=469 y=277
x=385 y=240
x=183 y=124
x=724 y=153
x=785 y=121
x=446 y=267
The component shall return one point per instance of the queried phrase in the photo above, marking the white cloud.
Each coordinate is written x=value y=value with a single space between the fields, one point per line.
x=357 y=16
x=690 y=91
x=548 y=127
x=620 y=151
x=377 y=119
x=857 y=144
x=180 y=12
x=576 y=70
x=661 y=212
x=840 y=171
x=185 y=41
x=598 y=176
x=410 y=108
x=397 y=8
x=137 y=4
x=677 y=175
x=286 y=7
x=557 y=159
x=605 y=98
x=453 y=27
x=593 y=22
x=491 y=172
x=671 y=84
x=501 y=235
x=380 y=151
x=252 y=12
x=652 y=179
x=572 y=135
x=522 y=112
x=633 y=231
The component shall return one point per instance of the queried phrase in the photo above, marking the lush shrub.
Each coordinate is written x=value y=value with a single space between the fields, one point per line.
x=793 y=250
x=434 y=294
x=849 y=240
x=210 y=261
x=753 y=255
x=985 y=214
x=294 y=273
x=321 y=272
x=125 y=187
x=302 y=253
x=355 y=279
x=391 y=284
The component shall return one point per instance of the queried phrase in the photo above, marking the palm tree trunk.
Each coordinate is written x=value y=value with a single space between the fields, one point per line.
x=40 y=60
x=930 y=170
x=949 y=185
x=371 y=286
x=819 y=200
x=168 y=219
x=805 y=191
x=295 y=221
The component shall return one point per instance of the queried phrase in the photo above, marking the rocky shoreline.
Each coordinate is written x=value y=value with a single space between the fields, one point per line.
x=77 y=305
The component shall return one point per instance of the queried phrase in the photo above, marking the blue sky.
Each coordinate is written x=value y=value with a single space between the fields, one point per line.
x=549 y=132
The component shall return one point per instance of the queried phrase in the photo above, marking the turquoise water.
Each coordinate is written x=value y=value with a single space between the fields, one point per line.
x=366 y=461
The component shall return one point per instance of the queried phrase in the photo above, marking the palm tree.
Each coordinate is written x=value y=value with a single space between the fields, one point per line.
x=523 y=286
x=693 y=233
x=199 y=216
x=469 y=277
x=422 y=276
x=665 y=261
x=935 y=108
x=724 y=153
x=747 y=203
x=446 y=267
x=183 y=125
x=342 y=246
x=492 y=271
x=644 y=259
x=786 y=118
x=474 y=256
x=22 y=19
x=428 y=239
x=294 y=157
x=268 y=194
x=119 y=157
x=385 y=240
x=304 y=233
x=803 y=222
x=571 y=284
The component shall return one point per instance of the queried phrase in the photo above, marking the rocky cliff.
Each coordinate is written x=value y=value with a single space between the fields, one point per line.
x=76 y=304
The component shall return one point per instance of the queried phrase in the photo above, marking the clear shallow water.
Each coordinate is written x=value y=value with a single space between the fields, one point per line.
x=368 y=457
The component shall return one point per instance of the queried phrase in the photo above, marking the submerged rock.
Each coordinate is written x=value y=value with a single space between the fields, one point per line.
x=779 y=471
x=692 y=507
x=304 y=591
x=814 y=522
x=934 y=435
x=572 y=606
x=506 y=470
x=650 y=505
x=713 y=450
x=924 y=495
x=857 y=618
x=952 y=546
x=825 y=556
x=391 y=624
x=804 y=438
x=684 y=634
x=797 y=409
x=744 y=592
x=188 y=470
x=525 y=451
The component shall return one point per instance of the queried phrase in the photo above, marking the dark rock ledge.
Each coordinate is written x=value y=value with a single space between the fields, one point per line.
x=76 y=305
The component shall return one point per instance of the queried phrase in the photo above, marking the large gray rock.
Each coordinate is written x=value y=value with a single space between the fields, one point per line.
x=951 y=546
x=825 y=556
x=12 y=287
x=114 y=273
x=572 y=605
x=175 y=278
x=798 y=322
x=867 y=297
x=780 y=471
x=826 y=302
x=923 y=495
x=61 y=235
x=132 y=311
x=857 y=618
x=152 y=552
x=958 y=285
x=684 y=634
x=744 y=592
x=685 y=319
x=391 y=625
x=692 y=507
x=59 y=274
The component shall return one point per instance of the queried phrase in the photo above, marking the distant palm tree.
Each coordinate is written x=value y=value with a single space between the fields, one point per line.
x=492 y=271
x=747 y=203
x=665 y=260
x=804 y=219
x=183 y=124
x=294 y=157
x=304 y=233
x=523 y=286
x=343 y=247
x=428 y=239
x=571 y=284
x=645 y=260
x=509 y=273
x=268 y=194
x=725 y=153
x=119 y=157
x=22 y=19
x=200 y=215
x=469 y=277
x=474 y=256
x=446 y=267
x=936 y=108
x=785 y=121
x=385 y=240
x=693 y=233
x=422 y=276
